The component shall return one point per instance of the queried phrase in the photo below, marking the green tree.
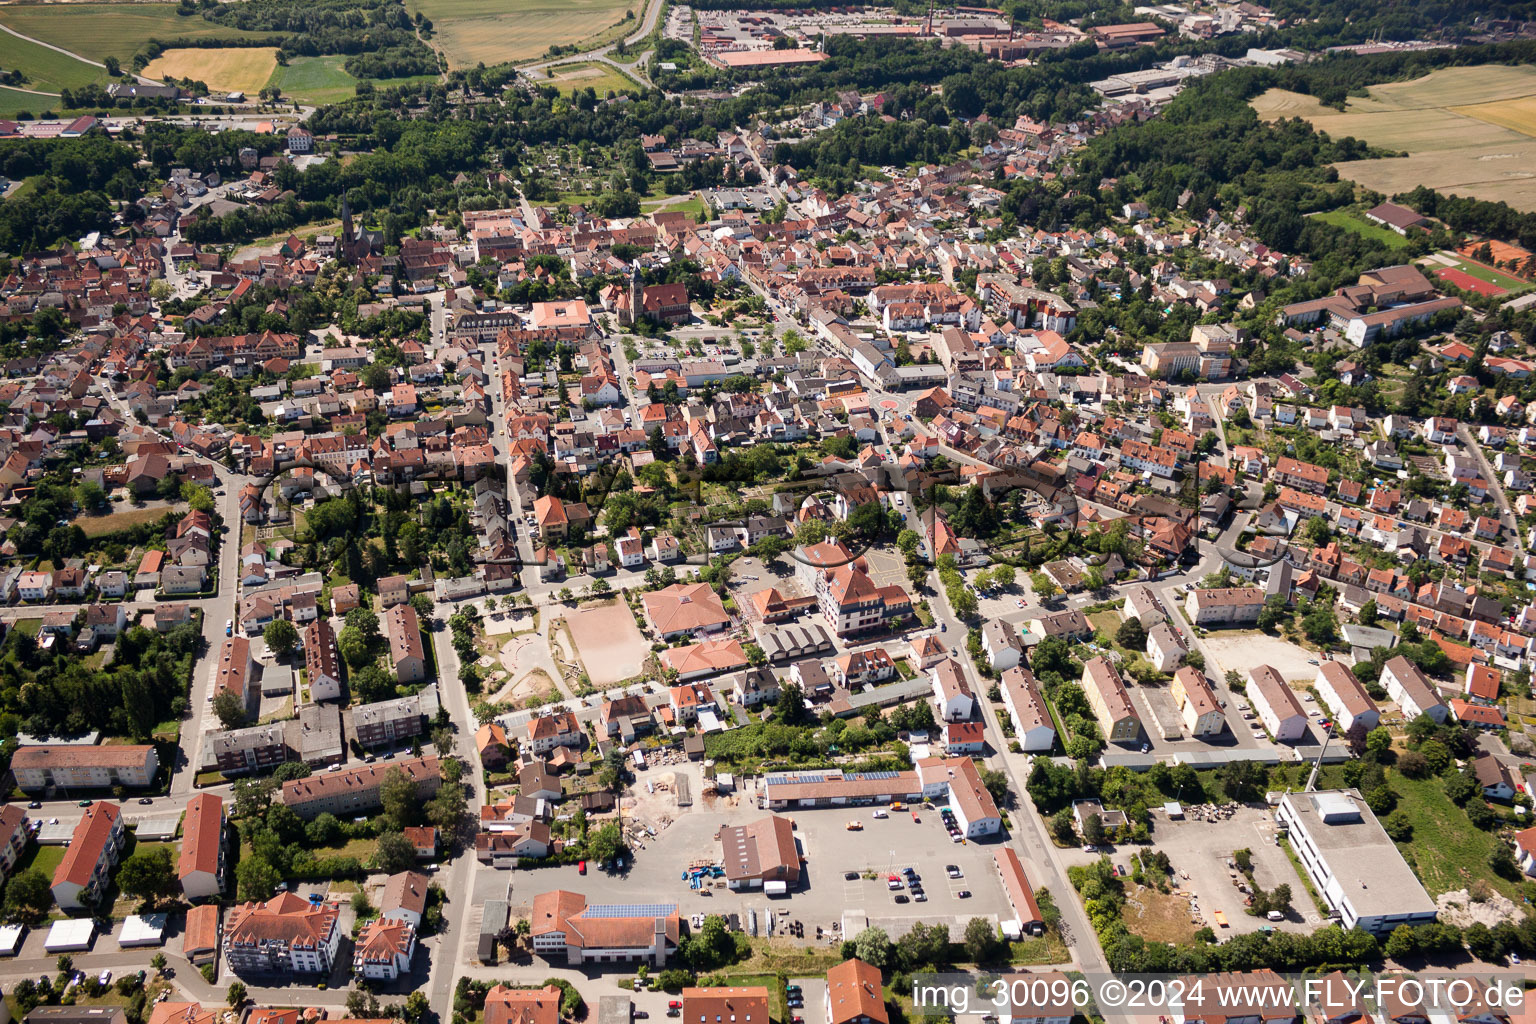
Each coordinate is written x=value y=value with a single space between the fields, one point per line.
x=28 y=897
x=605 y=844
x=790 y=708
x=873 y=946
x=1093 y=830
x=256 y=878
x=149 y=874
x=983 y=945
x=1041 y=584
x=236 y=993
x=394 y=853
x=229 y=709
x=1131 y=635
x=281 y=637
x=1378 y=743
x=397 y=795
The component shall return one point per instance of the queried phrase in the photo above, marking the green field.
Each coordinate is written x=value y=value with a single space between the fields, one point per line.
x=572 y=78
x=105 y=30
x=14 y=101
x=48 y=70
x=1446 y=852
x=315 y=80
x=1350 y=220
x=470 y=31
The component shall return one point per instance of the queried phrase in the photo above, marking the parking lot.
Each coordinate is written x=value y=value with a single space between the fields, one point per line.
x=824 y=898
x=1202 y=848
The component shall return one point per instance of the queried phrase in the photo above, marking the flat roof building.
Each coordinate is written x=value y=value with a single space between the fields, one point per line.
x=1351 y=861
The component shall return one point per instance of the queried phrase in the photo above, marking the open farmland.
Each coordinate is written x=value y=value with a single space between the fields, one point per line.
x=1467 y=131
x=470 y=31
x=15 y=101
x=243 y=69
x=98 y=31
x=48 y=70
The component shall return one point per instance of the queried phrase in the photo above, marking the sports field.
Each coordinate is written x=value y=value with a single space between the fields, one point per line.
x=1467 y=281
x=237 y=68
x=470 y=31
x=97 y=31
x=1472 y=275
x=314 y=80
x=47 y=70
x=1471 y=131
x=570 y=78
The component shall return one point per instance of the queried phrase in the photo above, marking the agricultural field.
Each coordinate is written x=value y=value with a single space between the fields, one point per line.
x=97 y=31
x=1471 y=131
x=15 y=101
x=1354 y=222
x=470 y=31
x=236 y=69
x=570 y=78
x=49 y=70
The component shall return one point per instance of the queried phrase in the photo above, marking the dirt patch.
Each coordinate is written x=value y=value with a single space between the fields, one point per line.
x=1250 y=650
x=1458 y=910
x=608 y=642
x=1158 y=916
x=536 y=684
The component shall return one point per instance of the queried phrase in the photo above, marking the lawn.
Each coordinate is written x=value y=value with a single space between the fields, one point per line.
x=603 y=79
x=44 y=858
x=98 y=31
x=778 y=1010
x=1446 y=852
x=321 y=80
x=1047 y=949
x=49 y=70
x=1352 y=222
x=470 y=31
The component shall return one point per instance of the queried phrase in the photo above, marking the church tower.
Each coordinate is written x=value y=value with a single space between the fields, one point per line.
x=636 y=297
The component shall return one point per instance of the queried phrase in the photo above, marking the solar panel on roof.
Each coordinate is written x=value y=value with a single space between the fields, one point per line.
x=611 y=910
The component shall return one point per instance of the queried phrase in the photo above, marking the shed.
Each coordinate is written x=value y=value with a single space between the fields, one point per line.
x=492 y=921
x=142 y=930
x=70 y=936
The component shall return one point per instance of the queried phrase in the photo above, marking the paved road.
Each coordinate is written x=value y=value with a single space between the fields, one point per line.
x=1506 y=513
x=601 y=54
x=1028 y=835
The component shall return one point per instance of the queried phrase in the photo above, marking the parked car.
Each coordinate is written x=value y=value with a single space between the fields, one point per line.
x=901 y=897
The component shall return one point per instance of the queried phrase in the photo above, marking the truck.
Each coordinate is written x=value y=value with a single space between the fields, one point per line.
x=639 y=760
x=775 y=889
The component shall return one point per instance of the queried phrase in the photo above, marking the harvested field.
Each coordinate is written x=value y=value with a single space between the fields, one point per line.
x=470 y=31
x=1515 y=114
x=608 y=642
x=1471 y=131
x=243 y=69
